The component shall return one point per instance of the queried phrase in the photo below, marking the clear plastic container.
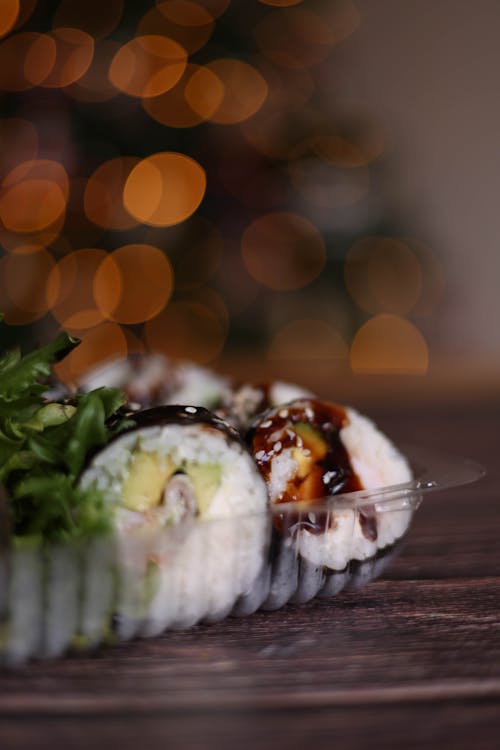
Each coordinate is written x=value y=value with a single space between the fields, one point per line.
x=77 y=596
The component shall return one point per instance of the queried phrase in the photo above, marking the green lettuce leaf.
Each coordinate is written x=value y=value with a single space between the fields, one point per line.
x=44 y=446
x=19 y=376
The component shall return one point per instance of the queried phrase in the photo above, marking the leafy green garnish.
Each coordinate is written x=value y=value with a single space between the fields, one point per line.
x=44 y=446
x=20 y=375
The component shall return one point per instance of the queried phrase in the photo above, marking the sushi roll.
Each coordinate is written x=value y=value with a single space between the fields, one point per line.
x=308 y=451
x=153 y=379
x=190 y=514
x=242 y=404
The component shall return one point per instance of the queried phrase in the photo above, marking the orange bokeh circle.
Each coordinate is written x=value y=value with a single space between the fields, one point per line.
x=133 y=283
x=164 y=189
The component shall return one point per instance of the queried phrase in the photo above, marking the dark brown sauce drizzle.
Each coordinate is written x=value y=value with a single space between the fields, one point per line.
x=330 y=474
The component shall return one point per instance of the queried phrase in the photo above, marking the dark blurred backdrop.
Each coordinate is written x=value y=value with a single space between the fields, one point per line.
x=306 y=185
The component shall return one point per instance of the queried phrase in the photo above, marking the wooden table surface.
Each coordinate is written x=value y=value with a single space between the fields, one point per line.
x=411 y=660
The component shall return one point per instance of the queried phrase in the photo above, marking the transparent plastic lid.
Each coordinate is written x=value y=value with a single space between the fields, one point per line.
x=58 y=597
x=432 y=471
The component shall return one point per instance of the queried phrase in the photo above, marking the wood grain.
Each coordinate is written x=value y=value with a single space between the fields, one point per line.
x=409 y=660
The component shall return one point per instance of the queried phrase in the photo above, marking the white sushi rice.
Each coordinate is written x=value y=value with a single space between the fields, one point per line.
x=173 y=573
x=281 y=393
x=377 y=463
x=198 y=386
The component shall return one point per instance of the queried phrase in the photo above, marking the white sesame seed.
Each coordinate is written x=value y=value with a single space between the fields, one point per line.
x=191 y=409
x=277 y=446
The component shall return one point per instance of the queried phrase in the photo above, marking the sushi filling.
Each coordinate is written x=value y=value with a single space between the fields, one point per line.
x=155 y=481
x=179 y=463
x=308 y=451
x=299 y=451
x=159 y=488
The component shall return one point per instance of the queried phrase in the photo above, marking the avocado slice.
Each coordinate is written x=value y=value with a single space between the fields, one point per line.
x=315 y=445
x=148 y=475
x=206 y=479
x=312 y=439
x=313 y=450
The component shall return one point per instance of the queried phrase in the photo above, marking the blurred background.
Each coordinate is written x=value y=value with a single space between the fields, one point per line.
x=304 y=189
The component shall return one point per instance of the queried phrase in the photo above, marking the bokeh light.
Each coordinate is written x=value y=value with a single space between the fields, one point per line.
x=434 y=280
x=26 y=59
x=133 y=283
x=308 y=340
x=33 y=196
x=187 y=22
x=10 y=241
x=389 y=344
x=31 y=205
x=94 y=85
x=245 y=90
x=103 y=196
x=39 y=169
x=194 y=99
x=187 y=330
x=70 y=292
x=164 y=189
x=179 y=179
x=383 y=274
x=283 y=251
x=24 y=274
x=9 y=11
x=74 y=52
x=147 y=66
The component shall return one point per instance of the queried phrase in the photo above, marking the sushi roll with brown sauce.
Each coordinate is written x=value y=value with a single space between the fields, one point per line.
x=243 y=403
x=190 y=514
x=308 y=452
x=152 y=379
